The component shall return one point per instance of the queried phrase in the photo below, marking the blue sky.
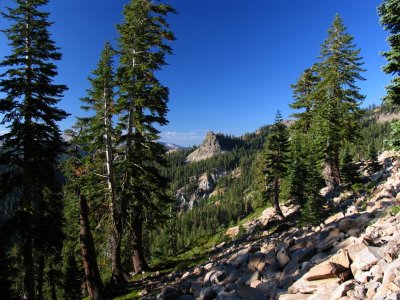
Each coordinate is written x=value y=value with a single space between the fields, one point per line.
x=233 y=61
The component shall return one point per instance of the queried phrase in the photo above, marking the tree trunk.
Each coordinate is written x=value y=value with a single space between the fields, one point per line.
x=138 y=259
x=118 y=276
x=331 y=173
x=27 y=247
x=278 y=210
x=92 y=275
x=29 y=286
x=39 y=287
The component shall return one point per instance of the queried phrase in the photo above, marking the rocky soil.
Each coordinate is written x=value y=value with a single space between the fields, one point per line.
x=353 y=254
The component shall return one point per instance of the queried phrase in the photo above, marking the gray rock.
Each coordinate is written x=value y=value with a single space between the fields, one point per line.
x=256 y=262
x=232 y=276
x=365 y=259
x=293 y=296
x=342 y=290
x=325 y=292
x=217 y=277
x=391 y=272
x=290 y=268
x=268 y=288
x=227 y=296
x=302 y=255
x=393 y=296
x=282 y=256
x=208 y=276
x=207 y=293
x=248 y=278
x=187 y=297
x=170 y=293
x=196 y=286
x=248 y=293
x=329 y=241
x=372 y=287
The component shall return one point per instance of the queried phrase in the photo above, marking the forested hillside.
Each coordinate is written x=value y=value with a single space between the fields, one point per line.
x=105 y=209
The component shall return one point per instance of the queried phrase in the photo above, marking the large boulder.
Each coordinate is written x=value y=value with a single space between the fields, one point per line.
x=365 y=259
x=327 y=270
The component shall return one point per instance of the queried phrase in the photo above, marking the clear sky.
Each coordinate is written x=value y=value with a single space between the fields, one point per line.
x=233 y=61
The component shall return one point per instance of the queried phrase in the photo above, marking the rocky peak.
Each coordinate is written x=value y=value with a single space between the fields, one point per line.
x=210 y=147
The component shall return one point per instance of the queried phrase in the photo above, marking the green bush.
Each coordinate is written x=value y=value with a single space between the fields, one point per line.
x=395 y=210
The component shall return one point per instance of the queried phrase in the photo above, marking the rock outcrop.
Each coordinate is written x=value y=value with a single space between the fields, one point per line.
x=210 y=147
x=198 y=189
x=354 y=254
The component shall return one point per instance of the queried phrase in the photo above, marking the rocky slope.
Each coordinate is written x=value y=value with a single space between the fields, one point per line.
x=353 y=254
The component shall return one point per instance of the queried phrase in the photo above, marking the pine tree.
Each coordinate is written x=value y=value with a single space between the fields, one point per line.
x=33 y=142
x=337 y=111
x=142 y=105
x=389 y=12
x=372 y=163
x=304 y=93
x=297 y=171
x=101 y=135
x=275 y=160
x=348 y=168
x=313 y=211
x=393 y=141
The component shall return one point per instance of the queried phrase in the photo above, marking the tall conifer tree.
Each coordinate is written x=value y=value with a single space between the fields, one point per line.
x=337 y=111
x=33 y=141
x=143 y=42
x=274 y=161
x=389 y=12
x=101 y=143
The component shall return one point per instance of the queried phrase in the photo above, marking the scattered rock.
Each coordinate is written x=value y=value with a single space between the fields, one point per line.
x=282 y=256
x=249 y=293
x=342 y=290
x=170 y=293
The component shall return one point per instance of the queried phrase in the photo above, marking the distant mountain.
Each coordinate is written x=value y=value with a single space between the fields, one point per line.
x=172 y=147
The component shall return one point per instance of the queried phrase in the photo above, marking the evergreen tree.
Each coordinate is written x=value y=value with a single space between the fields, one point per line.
x=337 y=111
x=100 y=136
x=393 y=142
x=275 y=160
x=304 y=93
x=297 y=171
x=389 y=12
x=33 y=142
x=313 y=211
x=372 y=162
x=142 y=105
x=348 y=170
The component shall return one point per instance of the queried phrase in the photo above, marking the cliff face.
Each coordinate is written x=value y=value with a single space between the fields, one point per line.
x=198 y=189
x=210 y=147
